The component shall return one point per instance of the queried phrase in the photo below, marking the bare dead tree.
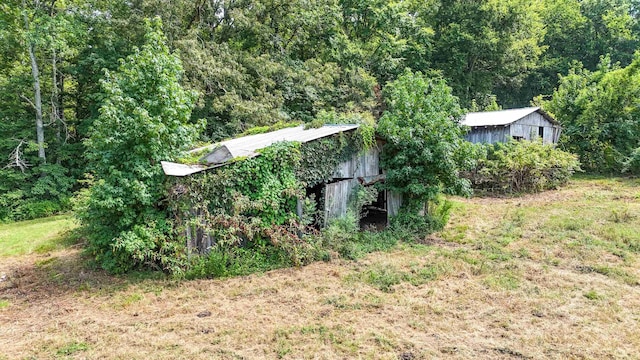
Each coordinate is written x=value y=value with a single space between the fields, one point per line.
x=37 y=104
x=16 y=158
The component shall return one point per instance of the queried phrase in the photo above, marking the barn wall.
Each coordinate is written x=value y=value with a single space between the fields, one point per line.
x=490 y=135
x=394 y=201
x=527 y=127
x=360 y=165
x=336 y=199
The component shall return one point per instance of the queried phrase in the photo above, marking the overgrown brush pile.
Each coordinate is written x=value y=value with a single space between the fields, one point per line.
x=521 y=167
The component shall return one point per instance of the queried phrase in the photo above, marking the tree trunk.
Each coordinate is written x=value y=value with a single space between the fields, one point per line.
x=37 y=104
x=36 y=89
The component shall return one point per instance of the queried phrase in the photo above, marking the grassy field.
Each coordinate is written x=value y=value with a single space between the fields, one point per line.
x=553 y=275
x=39 y=236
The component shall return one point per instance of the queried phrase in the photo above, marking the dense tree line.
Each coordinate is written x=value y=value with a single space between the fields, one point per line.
x=259 y=62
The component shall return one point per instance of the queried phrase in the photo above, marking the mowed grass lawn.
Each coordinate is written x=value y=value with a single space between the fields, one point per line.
x=552 y=275
x=38 y=236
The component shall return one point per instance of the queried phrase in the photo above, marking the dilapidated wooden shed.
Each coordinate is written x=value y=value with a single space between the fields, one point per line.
x=332 y=193
x=521 y=124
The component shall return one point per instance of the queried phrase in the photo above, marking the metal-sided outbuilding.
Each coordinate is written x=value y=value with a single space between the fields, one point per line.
x=521 y=124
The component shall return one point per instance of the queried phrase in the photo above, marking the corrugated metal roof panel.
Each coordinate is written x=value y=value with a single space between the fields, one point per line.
x=496 y=118
x=175 y=169
x=247 y=145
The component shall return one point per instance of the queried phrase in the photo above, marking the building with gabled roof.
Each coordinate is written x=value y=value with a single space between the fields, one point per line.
x=332 y=193
x=521 y=124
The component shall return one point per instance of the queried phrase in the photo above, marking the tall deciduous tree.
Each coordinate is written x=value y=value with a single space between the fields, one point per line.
x=600 y=114
x=145 y=118
x=483 y=47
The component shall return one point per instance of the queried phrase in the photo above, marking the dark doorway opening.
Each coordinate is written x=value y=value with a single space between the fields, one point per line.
x=316 y=194
x=374 y=215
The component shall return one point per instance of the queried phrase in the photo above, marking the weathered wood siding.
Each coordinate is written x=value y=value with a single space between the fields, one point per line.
x=489 y=134
x=528 y=128
x=394 y=201
x=360 y=165
x=336 y=199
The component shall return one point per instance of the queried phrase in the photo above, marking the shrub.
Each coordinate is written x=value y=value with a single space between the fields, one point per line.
x=425 y=151
x=632 y=164
x=522 y=166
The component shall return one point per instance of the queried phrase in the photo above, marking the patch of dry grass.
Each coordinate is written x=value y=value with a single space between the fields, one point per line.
x=552 y=275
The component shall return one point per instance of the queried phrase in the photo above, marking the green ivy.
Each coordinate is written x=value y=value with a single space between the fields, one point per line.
x=252 y=203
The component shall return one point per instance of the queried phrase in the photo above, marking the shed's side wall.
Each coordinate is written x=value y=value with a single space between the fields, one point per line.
x=490 y=134
x=337 y=198
x=528 y=126
x=394 y=201
x=360 y=165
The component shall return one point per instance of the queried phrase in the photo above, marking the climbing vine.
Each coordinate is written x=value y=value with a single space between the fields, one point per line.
x=254 y=202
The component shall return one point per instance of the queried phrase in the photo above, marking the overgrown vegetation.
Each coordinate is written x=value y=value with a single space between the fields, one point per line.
x=256 y=64
x=425 y=150
x=248 y=209
x=521 y=167
x=600 y=115
x=145 y=118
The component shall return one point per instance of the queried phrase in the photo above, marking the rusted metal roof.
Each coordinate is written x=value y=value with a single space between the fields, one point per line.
x=247 y=146
x=502 y=117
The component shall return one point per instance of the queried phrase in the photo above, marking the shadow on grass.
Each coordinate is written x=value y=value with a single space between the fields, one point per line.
x=61 y=268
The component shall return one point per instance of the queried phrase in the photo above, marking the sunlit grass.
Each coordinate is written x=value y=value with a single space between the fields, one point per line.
x=40 y=235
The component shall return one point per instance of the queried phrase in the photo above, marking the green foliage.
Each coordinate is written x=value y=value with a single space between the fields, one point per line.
x=632 y=164
x=522 y=166
x=599 y=113
x=425 y=151
x=486 y=47
x=38 y=192
x=249 y=203
x=144 y=119
x=270 y=62
x=417 y=219
x=223 y=262
x=266 y=129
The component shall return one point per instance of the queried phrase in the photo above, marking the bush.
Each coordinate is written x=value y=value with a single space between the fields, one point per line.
x=522 y=166
x=237 y=261
x=632 y=164
x=412 y=220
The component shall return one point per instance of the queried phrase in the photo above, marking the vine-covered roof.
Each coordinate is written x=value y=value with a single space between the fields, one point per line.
x=224 y=152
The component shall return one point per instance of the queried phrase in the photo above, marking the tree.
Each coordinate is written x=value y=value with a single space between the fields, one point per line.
x=425 y=150
x=582 y=31
x=599 y=113
x=144 y=119
x=485 y=47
